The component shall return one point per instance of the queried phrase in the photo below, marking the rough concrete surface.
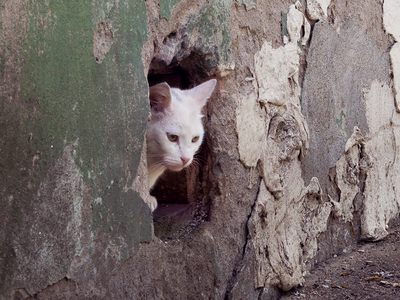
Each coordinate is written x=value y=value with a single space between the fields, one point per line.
x=300 y=159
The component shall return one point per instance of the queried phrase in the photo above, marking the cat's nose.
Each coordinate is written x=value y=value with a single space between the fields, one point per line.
x=185 y=160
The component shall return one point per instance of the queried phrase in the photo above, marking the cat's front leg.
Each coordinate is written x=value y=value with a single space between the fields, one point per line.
x=152 y=203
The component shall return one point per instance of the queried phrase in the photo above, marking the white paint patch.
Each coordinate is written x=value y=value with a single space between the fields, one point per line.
x=317 y=9
x=381 y=193
x=274 y=69
x=379 y=106
x=391 y=16
x=295 y=20
x=250 y=127
x=381 y=186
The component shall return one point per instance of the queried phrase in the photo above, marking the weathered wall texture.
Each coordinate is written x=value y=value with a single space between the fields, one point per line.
x=300 y=159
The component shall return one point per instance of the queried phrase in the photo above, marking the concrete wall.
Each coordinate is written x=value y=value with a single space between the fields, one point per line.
x=300 y=159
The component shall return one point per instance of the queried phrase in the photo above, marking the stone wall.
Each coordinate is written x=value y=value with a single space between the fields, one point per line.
x=300 y=159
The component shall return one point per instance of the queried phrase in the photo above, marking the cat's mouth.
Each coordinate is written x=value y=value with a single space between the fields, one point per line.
x=176 y=167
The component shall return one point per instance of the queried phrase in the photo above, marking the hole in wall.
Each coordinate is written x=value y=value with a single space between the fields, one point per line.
x=183 y=201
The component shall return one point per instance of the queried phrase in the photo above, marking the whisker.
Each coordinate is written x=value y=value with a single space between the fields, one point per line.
x=195 y=160
x=159 y=160
x=157 y=167
x=200 y=157
x=194 y=166
x=155 y=155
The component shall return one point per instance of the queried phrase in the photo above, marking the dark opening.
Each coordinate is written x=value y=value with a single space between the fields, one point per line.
x=174 y=76
x=183 y=202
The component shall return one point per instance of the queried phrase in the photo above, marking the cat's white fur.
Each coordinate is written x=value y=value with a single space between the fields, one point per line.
x=175 y=112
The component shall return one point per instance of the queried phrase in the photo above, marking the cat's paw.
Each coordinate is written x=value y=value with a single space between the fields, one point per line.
x=152 y=203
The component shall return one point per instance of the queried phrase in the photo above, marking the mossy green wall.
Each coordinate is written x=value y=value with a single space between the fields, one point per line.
x=65 y=97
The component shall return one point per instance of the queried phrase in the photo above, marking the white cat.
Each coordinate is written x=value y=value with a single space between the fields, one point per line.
x=175 y=131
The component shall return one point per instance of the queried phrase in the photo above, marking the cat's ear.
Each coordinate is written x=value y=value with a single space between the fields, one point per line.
x=203 y=91
x=160 y=97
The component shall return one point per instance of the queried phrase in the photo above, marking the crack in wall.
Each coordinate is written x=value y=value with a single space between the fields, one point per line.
x=240 y=264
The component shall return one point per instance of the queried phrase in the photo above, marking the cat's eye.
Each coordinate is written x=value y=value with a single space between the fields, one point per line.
x=195 y=139
x=172 y=137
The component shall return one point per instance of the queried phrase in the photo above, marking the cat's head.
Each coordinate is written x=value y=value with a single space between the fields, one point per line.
x=175 y=130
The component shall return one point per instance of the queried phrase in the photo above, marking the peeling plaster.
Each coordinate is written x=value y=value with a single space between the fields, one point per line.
x=382 y=197
x=274 y=68
x=250 y=126
x=348 y=169
x=395 y=65
x=317 y=9
x=294 y=22
x=367 y=157
x=288 y=216
x=391 y=16
x=103 y=39
x=285 y=232
x=379 y=106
